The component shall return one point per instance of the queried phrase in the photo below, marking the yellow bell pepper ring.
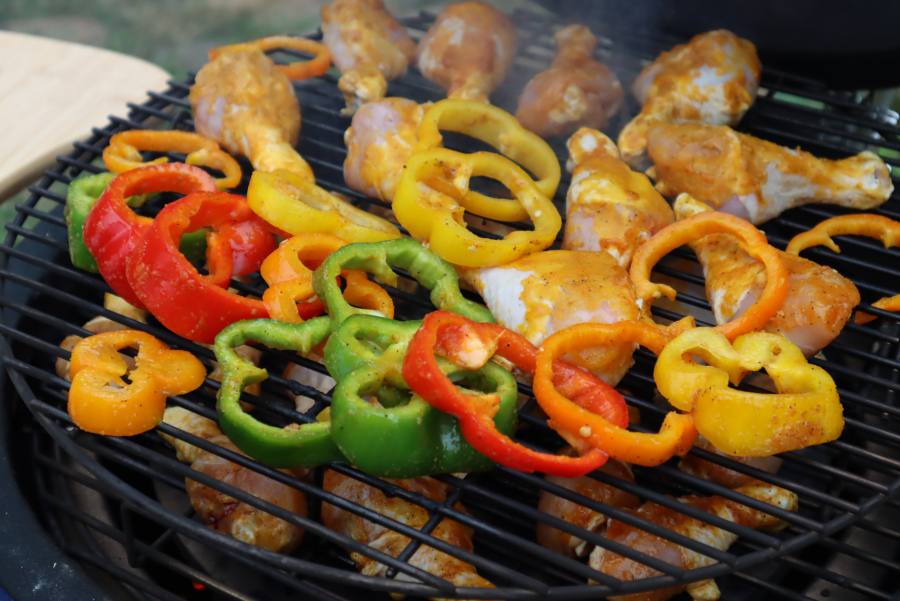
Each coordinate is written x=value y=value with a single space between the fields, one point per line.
x=437 y=217
x=298 y=206
x=806 y=410
x=501 y=130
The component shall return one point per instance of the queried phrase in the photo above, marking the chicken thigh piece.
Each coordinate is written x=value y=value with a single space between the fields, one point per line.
x=576 y=91
x=758 y=180
x=711 y=79
x=609 y=207
x=819 y=301
x=245 y=103
x=545 y=292
x=392 y=543
x=369 y=47
x=468 y=50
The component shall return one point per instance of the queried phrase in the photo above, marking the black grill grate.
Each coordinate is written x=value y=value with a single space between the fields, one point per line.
x=844 y=541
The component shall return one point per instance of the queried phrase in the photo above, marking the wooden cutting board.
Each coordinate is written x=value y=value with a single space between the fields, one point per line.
x=52 y=93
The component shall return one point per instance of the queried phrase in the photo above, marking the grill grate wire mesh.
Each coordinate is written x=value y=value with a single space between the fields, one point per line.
x=845 y=488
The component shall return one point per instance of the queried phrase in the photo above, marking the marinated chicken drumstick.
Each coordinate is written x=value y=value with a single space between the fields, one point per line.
x=369 y=47
x=711 y=79
x=576 y=91
x=468 y=50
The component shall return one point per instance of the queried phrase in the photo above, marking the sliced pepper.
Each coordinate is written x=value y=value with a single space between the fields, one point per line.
x=677 y=433
x=102 y=402
x=436 y=215
x=873 y=226
x=806 y=411
x=693 y=228
x=318 y=65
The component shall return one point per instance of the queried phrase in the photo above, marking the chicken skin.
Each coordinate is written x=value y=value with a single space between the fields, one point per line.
x=223 y=513
x=392 y=543
x=609 y=207
x=545 y=292
x=245 y=103
x=468 y=50
x=380 y=138
x=819 y=301
x=576 y=91
x=369 y=47
x=625 y=569
x=713 y=472
x=711 y=79
x=758 y=180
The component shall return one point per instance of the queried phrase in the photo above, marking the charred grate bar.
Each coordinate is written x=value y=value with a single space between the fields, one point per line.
x=847 y=489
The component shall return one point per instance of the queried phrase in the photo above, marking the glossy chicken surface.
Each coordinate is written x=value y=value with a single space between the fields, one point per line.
x=609 y=207
x=756 y=179
x=545 y=292
x=369 y=47
x=713 y=472
x=383 y=539
x=625 y=569
x=246 y=104
x=711 y=79
x=380 y=138
x=575 y=91
x=222 y=512
x=468 y=50
x=819 y=301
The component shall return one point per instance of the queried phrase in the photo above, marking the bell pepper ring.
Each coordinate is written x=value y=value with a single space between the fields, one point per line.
x=501 y=130
x=296 y=71
x=806 y=411
x=873 y=226
x=434 y=216
x=693 y=228
x=122 y=152
x=677 y=433
x=297 y=206
x=192 y=305
x=102 y=402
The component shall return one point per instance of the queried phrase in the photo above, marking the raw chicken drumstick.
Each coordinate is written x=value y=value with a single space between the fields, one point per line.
x=576 y=91
x=758 y=180
x=711 y=79
x=609 y=207
x=245 y=103
x=368 y=46
x=468 y=50
x=819 y=301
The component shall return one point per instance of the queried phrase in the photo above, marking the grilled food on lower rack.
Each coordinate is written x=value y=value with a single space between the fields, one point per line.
x=713 y=472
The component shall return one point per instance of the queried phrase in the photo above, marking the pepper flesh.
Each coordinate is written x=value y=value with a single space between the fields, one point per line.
x=296 y=71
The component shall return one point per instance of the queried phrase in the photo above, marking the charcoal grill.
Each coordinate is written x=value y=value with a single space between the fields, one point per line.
x=113 y=513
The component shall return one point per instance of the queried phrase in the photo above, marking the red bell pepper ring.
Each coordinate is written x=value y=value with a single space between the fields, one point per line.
x=192 y=305
x=112 y=229
x=471 y=344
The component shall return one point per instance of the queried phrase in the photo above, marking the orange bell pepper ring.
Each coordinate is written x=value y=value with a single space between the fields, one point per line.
x=290 y=281
x=123 y=154
x=102 y=402
x=693 y=228
x=873 y=226
x=318 y=65
x=677 y=433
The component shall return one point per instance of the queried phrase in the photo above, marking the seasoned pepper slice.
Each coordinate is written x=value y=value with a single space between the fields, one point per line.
x=296 y=71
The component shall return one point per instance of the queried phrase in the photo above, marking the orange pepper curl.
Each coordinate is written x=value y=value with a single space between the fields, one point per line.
x=873 y=226
x=318 y=65
x=677 y=433
x=693 y=228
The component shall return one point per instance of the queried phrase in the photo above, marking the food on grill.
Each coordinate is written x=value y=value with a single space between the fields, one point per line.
x=711 y=79
x=579 y=515
x=222 y=512
x=873 y=226
x=468 y=50
x=575 y=91
x=318 y=65
x=719 y=474
x=244 y=102
x=609 y=207
x=386 y=540
x=819 y=300
x=368 y=46
x=756 y=179
x=655 y=546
